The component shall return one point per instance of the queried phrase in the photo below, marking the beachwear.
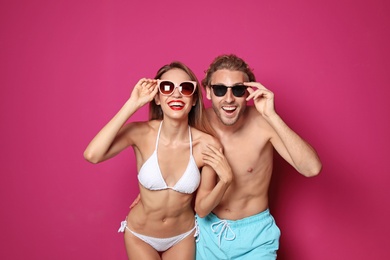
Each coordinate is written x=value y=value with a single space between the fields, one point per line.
x=159 y=244
x=151 y=178
x=254 y=237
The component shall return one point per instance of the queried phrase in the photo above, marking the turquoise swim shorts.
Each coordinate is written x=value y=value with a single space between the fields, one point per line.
x=254 y=237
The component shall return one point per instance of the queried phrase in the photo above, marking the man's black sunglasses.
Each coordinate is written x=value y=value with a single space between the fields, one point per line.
x=220 y=90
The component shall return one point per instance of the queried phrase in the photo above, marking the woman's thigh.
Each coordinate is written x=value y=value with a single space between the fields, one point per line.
x=138 y=249
x=185 y=249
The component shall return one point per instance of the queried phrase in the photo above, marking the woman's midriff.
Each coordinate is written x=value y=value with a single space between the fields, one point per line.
x=167 y=221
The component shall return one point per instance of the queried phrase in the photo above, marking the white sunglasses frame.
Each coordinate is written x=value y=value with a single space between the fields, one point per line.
x=176 y=86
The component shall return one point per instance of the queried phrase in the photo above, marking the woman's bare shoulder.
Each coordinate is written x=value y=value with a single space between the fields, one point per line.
x=142 y=126
x=136 y=132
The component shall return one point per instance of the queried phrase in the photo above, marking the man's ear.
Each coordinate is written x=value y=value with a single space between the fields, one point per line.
x=208 y=92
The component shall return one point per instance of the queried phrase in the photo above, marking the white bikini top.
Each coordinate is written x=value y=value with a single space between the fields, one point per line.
x=151 y=178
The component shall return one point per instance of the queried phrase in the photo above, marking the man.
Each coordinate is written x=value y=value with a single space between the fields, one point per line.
x=241 y=226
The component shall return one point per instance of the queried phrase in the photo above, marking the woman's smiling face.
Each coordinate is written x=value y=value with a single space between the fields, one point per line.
x=175 y=105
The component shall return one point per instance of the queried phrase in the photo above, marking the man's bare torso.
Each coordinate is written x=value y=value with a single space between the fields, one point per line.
x=250 y=155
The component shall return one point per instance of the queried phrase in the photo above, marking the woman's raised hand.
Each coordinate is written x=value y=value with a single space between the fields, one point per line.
x=144 y=91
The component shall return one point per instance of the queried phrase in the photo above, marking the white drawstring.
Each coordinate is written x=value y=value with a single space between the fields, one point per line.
x=197 y=231
x=221 y=227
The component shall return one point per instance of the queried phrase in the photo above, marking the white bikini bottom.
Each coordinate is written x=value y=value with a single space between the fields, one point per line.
x=159 y=244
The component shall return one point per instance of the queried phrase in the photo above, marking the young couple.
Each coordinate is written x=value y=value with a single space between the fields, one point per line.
x=221 y=159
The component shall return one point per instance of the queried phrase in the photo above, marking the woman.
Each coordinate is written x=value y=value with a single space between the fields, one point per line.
x=170 y=149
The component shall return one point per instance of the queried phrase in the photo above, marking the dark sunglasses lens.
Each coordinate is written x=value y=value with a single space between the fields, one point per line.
x=219 y=90
x=239 y=91
x=187 y=88
x=166 y=87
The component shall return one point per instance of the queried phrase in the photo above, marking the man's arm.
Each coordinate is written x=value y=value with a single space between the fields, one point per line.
x=294 y=149
x=286 y=142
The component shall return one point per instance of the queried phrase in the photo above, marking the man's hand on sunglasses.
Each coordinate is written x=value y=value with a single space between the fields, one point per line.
x=262 y=97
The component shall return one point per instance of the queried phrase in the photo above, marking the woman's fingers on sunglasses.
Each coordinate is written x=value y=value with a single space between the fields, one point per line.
x=147 y=87
x=152 y=84
x=140 y=82
x=149 y=83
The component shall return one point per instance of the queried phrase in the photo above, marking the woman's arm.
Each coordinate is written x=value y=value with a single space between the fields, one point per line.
x=215 y=179
x=114 y=137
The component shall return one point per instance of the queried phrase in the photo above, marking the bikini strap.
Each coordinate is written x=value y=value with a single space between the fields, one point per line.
x=189 y=132
x=158 y=135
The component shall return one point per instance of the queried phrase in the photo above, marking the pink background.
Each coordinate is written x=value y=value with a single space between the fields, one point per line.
x=67 y=66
